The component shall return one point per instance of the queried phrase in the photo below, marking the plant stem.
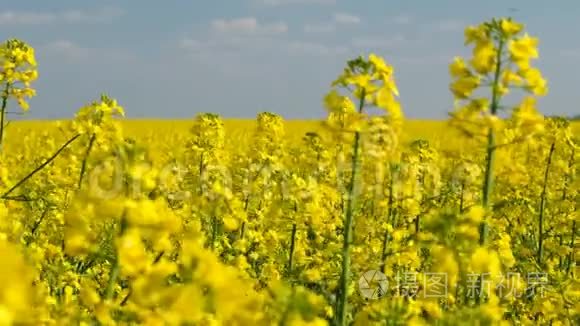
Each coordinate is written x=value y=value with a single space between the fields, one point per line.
x=116 y=267
x=114 y=274
x=561 y=243
x=201 y=171
x=3 y=113
x=568 y=179
x=85 y=159
x=572 y=249
x=292 y=247
x=543 y=206
x=488 y=181
x=348 y=236
x=570 y=258
x=389 y=219
x=461 y=199
x=417 y=224
x=214 y=231
x=40 y=167
x=36 y=225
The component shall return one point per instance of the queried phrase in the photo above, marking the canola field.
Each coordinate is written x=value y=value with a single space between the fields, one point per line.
x=365 y=218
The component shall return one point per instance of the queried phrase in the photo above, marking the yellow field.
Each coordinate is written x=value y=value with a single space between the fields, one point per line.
x=438 y=132
x=360 y=219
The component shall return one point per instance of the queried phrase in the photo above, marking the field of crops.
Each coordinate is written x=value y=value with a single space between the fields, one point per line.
x=365 y=218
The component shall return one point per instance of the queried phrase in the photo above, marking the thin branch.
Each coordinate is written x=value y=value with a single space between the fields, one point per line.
x=40 y=167
x=85 y=159
x=23 y=198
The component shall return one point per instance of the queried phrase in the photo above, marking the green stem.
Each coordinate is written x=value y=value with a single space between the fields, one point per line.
x=243 y=228
x=201 y=170
x=3 y=113
x=560 y=260
x=116 y=267
x=85 y=159
x=348 y=236
x=461 y=199
x=130 y=292
x=36 y=225
x=40 y=167
x=568 y=179
x=417 y=224
x=114 y=275
x=389 y=219
x=488 y=181
x=572 y=249
x=570 y=258
x=214 y=231
x=292 y=247
x=540 y=253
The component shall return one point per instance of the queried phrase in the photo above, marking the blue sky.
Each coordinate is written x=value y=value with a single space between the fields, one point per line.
x=173 y=59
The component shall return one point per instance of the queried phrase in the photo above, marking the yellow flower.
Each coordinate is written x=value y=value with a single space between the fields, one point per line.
x=510 y=28
x=527 y=117
x=230 y=223
x=484 y=55
x=510 y=78
x=475 y=34
x=335 y=102
x=432 y=309
x=385 y=99
x=535 y=82
x=524 y=48
x=362 y=81
x=476 y=214
x=458 y=68
x=132 y=255
x=16 y=291
x=17 y=69
x=313 y=275
x=463 y=87
x=380 y=65
x=444 y=262
x=484 y=261
x=493 y=310
x=76 y=243
x=505 y=251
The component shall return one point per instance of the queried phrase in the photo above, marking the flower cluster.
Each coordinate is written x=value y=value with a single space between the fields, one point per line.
x=17 y=71
x=272 y=222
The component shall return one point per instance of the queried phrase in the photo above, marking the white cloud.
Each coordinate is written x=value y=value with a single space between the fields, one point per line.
x=25 y=18
x=296 y=2
x=377 y=42
x=434 y=59
x=104 y=15
x=315 y=49
x=344 y=18
x=77 y=53
x=339 y=18
x=450 y=25
x=248 y=25
x=101 y=16
x=228 y=44
x=64 y=47
x=252 y=45
x=319 y=28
